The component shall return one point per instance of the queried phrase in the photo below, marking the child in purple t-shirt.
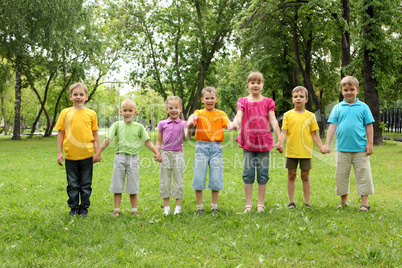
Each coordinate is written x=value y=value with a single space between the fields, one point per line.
x=255 y=114
x=170 y=140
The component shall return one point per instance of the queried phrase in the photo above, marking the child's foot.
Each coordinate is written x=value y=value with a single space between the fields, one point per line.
x=73 y=213
x=247 y=209
x=214 y=211
x=166 y=212
x=200 y=211
x=260 y=208
x=177 y=211
x=292 y=205
x=364 y=208
x=342 y=205
x=116 y=213
x=135 y=213
x=308 y=206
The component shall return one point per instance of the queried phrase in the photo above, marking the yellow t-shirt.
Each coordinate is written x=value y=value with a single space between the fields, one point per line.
x=210 y=125
x=78 y=138
x=299 y=140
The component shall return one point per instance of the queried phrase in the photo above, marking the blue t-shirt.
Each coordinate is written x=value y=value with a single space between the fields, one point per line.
x=351 y=120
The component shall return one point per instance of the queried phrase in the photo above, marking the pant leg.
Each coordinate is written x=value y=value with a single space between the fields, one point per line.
x=262 y=166
x=342 y=172
x=215 y=181
x=178 y=175
x=86 y=171
x=73 y=187
x=248 y=167
x=362 y=169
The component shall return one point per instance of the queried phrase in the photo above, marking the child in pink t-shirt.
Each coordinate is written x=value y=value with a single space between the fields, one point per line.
x=255 y=114
x=170 y=140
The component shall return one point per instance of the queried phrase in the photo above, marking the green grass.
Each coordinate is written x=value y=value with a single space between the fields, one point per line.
x=36 y=230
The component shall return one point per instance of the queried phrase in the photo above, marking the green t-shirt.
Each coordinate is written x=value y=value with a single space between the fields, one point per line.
x=129 y=137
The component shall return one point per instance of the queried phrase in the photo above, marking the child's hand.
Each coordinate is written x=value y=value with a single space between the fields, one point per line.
x=327 y=149
x=60 y=159
x=323 y=149
x=369 y=149
x=158 y=157
x=96 y=158
x=279 y=147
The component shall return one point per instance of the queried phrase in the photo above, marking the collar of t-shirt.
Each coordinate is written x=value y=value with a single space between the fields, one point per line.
x=356 y=103
x=177 y=120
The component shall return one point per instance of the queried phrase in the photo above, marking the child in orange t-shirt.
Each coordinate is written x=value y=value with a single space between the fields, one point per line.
x=208 y=151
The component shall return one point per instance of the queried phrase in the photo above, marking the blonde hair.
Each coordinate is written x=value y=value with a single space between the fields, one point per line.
x=302 y=89
x=350 y=80
x=128 y=102
x=255 y=76
x=209 y=90
x=78 y=85
x=175 y=98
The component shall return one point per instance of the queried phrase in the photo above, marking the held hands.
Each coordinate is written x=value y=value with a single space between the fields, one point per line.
x=96 y=158
x=158 y=157
x=325 y=149
x=191 y=121
x=279 y=147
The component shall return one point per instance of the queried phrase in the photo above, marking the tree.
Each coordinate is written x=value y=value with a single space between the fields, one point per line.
x=29 y=28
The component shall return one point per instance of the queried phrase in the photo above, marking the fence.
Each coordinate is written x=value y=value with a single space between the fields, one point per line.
x=392 y=119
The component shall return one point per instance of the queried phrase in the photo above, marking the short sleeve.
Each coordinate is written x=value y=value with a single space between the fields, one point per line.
x=285 y=121
x=313 y=123
x=112 y=131
x=143 y=134
x=94 y=121
x=160 y=126
x=333 y=117
x=61 y=121
x=271 y=105
x=225 y=119
x=240 y=104
x=368 y=116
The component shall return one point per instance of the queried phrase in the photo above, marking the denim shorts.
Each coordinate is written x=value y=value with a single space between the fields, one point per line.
x=252 y=161
x=208 y=154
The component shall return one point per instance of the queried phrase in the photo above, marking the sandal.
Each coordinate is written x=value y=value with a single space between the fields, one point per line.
x=260 y=208
x=341 y=205
x=292 y=205
x=367 y=207
x=247 y=209
x=308 y=205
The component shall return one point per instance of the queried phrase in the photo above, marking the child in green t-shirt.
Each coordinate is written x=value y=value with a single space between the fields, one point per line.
x=129 y=138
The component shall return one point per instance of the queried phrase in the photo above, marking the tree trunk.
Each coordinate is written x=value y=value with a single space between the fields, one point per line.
x=370 y=83
x=3 y=112
x=17 y=105
x=345 y=40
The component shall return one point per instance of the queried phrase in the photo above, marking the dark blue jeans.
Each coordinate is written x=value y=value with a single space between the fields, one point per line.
x=79 y=181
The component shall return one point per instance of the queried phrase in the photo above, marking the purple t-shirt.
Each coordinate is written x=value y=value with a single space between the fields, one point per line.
x=255 y=133
x=172 y=132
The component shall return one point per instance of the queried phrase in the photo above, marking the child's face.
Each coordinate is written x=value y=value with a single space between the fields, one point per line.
x=173 y=108
x=255 y=87
x=209 y=99
x=349 y=92
x=128 y=110
x=299 y=99
x=78 y=97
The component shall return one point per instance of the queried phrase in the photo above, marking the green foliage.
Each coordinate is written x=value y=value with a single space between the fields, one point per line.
x=36 y=230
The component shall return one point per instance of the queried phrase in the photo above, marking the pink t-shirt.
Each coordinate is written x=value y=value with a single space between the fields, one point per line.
x=172 y=132
x=255 y=133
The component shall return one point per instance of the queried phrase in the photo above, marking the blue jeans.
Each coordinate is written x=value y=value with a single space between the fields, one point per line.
x=251 y=162
x=79 y=181
x=208 y=154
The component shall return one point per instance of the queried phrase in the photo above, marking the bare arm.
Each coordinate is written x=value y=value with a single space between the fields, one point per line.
x=317 y=140
x=274 y=124
x=191 y=121
x=281 y=140
x=159 y=141
x=103 y=146
x=60 y=139
x=151 y=147
x=330 y=135
x=370 y=138
x=238 y=119
x=96 y=147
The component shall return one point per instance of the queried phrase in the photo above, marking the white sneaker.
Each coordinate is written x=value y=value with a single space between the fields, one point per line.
x=177 y=211
x=166 y=212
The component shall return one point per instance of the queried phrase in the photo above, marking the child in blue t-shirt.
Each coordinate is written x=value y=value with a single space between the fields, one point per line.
x=353 y=122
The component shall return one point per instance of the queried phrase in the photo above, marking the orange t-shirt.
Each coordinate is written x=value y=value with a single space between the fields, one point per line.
x=210 y=125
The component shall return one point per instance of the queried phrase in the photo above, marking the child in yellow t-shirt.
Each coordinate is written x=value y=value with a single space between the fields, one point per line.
x=78 y=135
x=208 y=150
x=300 y=128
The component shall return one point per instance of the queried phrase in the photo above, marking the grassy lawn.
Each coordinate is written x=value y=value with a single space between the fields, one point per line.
x=36 y=230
